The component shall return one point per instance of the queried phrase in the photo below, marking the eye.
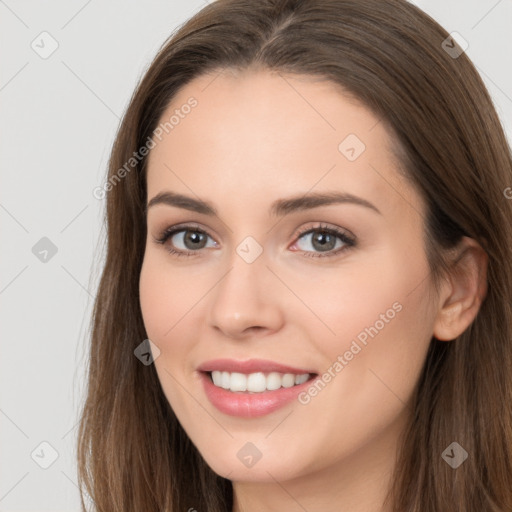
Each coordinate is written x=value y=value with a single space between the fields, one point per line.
x=187 y=240
x=324 y=239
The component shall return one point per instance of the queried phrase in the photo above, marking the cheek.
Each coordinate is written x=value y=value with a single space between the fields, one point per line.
x=156 y=299
x=353 y=297
x=171 y=300
x=166 y=295
x=376 y=316
x=165 y=300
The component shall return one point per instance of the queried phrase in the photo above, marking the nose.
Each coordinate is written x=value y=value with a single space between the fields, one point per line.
x=245 y=302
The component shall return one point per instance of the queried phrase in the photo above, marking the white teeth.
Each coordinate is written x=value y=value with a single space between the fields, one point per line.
x=288 y=380
x=300 y=379
x=238 y=382
x=256 y=382
x=274 y=381
x=217 y=379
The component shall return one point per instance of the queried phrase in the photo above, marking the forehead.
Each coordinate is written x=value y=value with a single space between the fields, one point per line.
x=260 y=135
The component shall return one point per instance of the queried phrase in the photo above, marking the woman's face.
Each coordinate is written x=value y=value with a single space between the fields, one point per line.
x=264 y=293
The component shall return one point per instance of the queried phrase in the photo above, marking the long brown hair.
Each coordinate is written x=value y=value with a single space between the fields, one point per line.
x=133 y=454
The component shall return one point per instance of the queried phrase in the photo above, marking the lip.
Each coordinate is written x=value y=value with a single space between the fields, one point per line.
x=250 y=366
x=245 y=404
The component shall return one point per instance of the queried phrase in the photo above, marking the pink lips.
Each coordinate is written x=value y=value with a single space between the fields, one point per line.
x=245 y=404
x=249 y=366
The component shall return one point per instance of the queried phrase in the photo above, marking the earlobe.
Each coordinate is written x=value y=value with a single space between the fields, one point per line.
x=464 y=291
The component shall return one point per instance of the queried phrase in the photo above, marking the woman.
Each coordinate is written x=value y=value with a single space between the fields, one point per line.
x=306 y=300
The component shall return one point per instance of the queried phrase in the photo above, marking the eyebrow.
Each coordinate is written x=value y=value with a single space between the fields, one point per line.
x=278 y=208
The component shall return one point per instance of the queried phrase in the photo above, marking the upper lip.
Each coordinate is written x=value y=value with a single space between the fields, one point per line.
x=249 y=366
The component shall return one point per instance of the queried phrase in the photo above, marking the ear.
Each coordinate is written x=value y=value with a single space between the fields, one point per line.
x=463 y=291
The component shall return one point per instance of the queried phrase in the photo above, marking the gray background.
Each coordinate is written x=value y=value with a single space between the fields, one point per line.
x=58 y=118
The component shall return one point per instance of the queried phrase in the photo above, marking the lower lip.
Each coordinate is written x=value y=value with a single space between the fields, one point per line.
x=250 y=405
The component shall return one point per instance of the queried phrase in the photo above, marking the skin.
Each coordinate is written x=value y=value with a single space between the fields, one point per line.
x=255 y=137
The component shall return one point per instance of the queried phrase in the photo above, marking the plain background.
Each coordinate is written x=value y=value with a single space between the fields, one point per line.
x=58 y=119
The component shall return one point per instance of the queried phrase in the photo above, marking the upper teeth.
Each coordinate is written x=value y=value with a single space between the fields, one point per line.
x=256 y=382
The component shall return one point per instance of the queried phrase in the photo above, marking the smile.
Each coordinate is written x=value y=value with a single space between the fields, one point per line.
x=252 y=388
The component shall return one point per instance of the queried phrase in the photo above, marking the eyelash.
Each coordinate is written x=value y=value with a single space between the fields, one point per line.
x=347 y=240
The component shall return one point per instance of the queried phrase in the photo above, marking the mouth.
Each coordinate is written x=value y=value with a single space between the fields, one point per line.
x=252 y=388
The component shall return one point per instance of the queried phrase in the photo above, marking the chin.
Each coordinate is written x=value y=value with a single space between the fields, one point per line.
x=237 y=465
